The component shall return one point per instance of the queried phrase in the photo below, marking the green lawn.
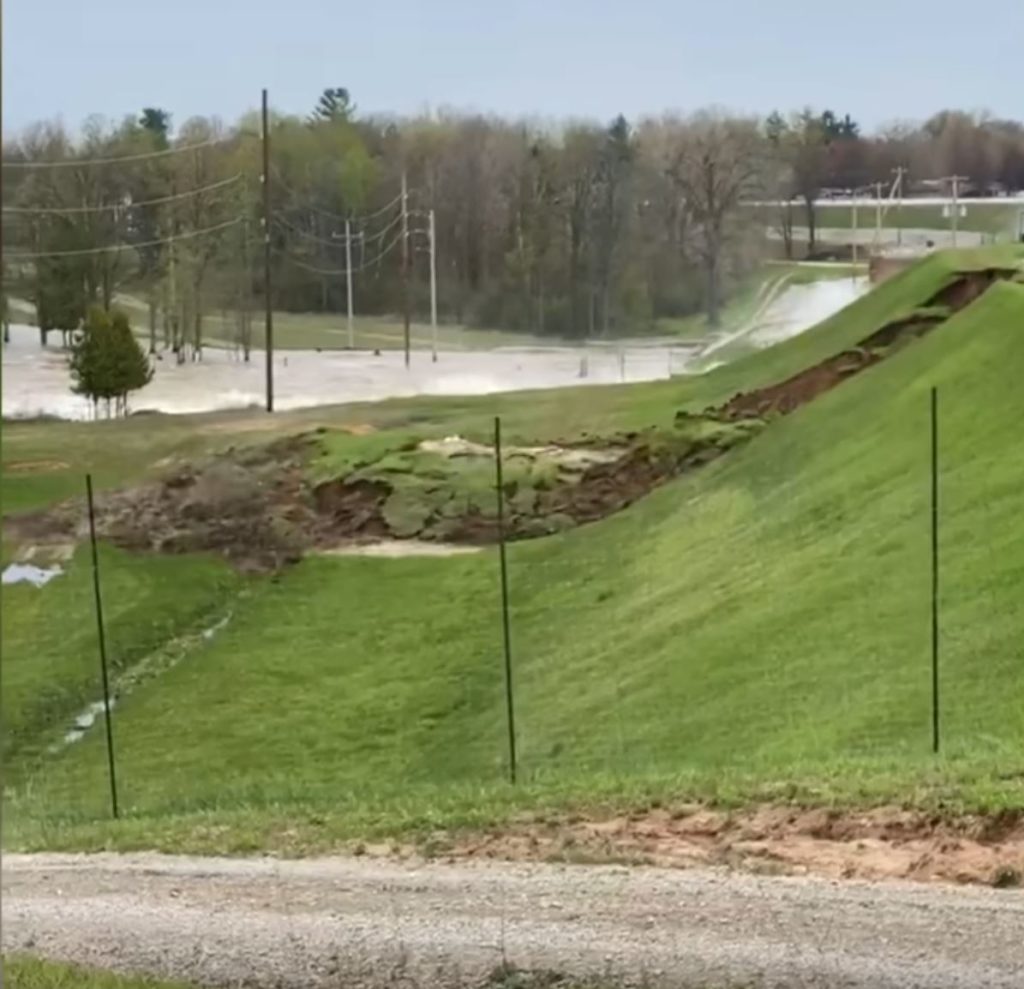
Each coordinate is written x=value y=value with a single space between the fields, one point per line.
x=329 y=331
x=990 y=218
x=148 y=602
x=26 y=972
x=758 y=629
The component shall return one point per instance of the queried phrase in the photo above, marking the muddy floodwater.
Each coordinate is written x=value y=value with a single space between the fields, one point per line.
x=36 y=380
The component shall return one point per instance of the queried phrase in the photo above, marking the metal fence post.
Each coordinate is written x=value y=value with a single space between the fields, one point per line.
x=506 y=631
x=935 y=567
x=102 y=644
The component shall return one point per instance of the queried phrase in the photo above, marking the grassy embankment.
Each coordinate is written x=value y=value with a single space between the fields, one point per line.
x=758 y=629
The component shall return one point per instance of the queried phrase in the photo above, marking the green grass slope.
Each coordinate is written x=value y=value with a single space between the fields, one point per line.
x=51 y=661
x=767 y=616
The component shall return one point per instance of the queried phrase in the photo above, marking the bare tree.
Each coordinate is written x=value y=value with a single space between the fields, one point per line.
x=718 y=163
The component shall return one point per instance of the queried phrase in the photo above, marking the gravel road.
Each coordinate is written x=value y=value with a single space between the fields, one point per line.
x=347 y=922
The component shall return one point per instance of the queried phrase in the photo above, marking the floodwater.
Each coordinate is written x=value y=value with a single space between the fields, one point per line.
x=796 y=308
x=36 y=380
x=29 y=573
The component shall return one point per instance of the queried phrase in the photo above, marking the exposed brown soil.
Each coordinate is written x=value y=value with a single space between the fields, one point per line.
x=355 y=508
x=34 y=466
x=805 y=386
x=257 y=508
x=884 y=843
x=969 y=286
x=251 y=505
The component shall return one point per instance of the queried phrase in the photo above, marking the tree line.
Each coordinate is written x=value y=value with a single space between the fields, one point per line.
x=571 y=229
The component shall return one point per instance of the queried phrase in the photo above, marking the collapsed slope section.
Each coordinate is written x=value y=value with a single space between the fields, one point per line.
x=786 y=396
x=263 y=507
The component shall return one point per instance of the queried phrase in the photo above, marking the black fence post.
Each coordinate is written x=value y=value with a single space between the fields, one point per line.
x=935 y=567
x=103 y=644
x=506 y=631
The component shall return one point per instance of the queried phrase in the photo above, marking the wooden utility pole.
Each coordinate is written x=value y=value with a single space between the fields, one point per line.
x=878 y=215
x=172 y=276
x=405 y=265
x=267 y=282
x=348 y=284
x=900 y=171
x=246 y=291
x=433 y=287
x=854 y=230
x=954 y=218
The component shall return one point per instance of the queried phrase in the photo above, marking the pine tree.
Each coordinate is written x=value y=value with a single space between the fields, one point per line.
x=107 y=361
x=130 y=366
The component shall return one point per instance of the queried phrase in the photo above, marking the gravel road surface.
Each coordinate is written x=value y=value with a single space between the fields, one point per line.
x=347 y=922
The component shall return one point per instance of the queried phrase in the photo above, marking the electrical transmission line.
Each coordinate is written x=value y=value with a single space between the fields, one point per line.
x=122 y=159
x=340 y=217
x=338 y=240
x=188 y=235
x=367 y=263
x=107 y=207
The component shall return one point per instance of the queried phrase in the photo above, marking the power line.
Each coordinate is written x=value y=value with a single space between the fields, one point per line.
x=340 y=217
x=27 y=255
x=116 y=206
x=84 y=162
x=338 y=242
x=344 y=271
x=383 y=230
x=282 y=222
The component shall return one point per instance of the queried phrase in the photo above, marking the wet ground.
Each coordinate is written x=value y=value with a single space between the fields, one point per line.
x=36 y=380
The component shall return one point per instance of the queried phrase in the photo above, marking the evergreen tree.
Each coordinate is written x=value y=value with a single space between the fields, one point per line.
x=334 y=104
x=129 y=364
x=106 y=360
x=60 y=297
x=158 y=123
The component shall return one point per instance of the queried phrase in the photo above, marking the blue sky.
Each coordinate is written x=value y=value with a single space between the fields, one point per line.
x=550 y=58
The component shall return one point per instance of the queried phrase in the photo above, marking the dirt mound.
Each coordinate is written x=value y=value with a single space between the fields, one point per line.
x=258 y=507
x=883 y=843
x=249 y=505
x=806 y=385
x=449 y=496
